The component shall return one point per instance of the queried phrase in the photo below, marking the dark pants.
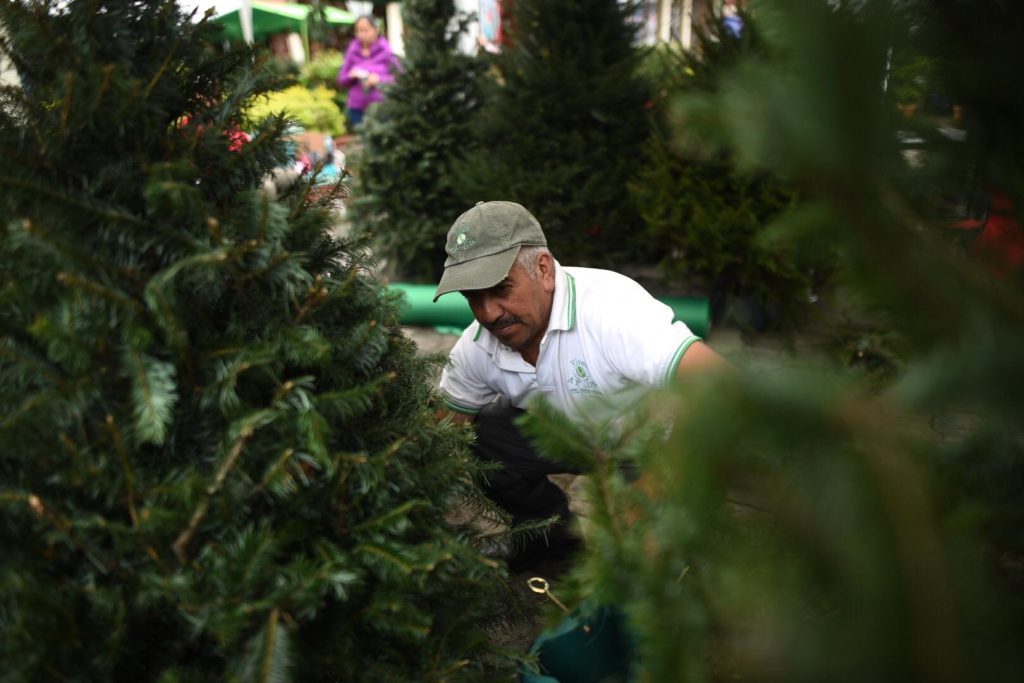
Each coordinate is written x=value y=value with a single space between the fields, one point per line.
x=354 y=117
x=521 y=487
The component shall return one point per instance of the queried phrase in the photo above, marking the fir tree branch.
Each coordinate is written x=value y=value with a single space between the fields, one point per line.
x=73 y=253
x=50 y=669
x=161 y=304
x=213 y=225
x=451 y=670
x=47 y=192
x=72 y=449
x=273 y=263
x=106 y=71
x=17 y=355
x=24 y=408
x=317 y=296
x=905 y=501
x=390 y=557
x=394 y=513
x=69 y=86
x=269 y=645
x=279 y=465
x=129 y=476
x=171 y=54
x=600 y=474
x=154 y=393
x=101 y=291
x=42 y=511
x=180 y=545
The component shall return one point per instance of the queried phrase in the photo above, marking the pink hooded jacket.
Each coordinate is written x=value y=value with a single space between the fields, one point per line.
x=381 y=62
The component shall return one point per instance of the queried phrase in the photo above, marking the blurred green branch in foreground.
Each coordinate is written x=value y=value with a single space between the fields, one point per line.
x=798 y=525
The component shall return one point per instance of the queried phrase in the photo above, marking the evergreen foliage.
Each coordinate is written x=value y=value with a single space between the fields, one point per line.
x=712 y=216
x=313 y=108
x=798 y=525
x=322 y=71
x=563 y=128
x=219 y=456
x=406 y=189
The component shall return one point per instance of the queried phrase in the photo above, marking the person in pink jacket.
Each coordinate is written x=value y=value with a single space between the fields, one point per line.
x=369 y=63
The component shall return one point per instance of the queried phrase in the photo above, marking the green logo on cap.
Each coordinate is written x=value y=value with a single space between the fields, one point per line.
x=463 y=242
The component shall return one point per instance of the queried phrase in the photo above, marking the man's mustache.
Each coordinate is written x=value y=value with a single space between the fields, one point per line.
x=502 y=323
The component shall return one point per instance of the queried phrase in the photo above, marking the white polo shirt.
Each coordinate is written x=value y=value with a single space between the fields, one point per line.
x=606 y=335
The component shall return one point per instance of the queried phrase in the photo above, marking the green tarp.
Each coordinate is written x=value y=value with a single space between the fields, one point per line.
x=269 y=18
x=419 y=308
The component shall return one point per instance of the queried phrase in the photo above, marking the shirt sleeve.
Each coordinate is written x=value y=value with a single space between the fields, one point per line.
x=641 y=342
x=345 y=78
x=463 y=381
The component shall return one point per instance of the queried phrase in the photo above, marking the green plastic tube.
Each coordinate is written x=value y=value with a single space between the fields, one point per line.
x=452 y=311
x=694 y=311
x=418 y=307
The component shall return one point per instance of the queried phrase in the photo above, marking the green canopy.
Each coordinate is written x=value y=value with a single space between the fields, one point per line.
x=273 y=17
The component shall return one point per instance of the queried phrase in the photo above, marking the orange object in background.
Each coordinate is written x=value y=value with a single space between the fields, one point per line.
x=237 y=138
x=1000 y=239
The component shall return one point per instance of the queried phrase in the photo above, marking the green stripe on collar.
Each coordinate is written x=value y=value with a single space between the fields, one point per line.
x=571 y=300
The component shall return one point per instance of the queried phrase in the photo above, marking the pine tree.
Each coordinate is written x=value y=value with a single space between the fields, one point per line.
x=219 y=454
x=406 y=193
x=798 y=524
x=563 y=128
x=712 y=218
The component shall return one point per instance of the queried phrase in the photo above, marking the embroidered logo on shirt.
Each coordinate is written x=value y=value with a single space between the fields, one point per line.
x=463 y=242
x=579 y=379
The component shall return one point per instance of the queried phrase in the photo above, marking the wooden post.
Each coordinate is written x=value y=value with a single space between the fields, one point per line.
x=687 y=32
x=245 y=19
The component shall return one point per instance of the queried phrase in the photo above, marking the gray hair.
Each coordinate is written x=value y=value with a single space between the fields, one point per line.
x=527 y=259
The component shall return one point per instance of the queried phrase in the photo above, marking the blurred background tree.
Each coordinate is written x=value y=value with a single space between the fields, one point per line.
x=800 y=524
x=312 y=108
x=322 y=71
x=709 y=216
x=219 y=455
x=564 y=126
x=405 y=191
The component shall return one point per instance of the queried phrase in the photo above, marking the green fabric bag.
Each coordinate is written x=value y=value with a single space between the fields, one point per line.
x=591 y=645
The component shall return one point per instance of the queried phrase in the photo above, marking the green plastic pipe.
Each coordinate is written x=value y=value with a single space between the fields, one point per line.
x=417 y=308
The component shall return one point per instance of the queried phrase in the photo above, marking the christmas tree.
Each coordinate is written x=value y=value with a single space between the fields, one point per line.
x=709 y=216
x=563 y=128
x=405 y=195
x=219 y=454
x=800 y=524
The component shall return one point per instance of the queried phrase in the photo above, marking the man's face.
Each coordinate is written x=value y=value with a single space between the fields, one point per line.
x=517 y=309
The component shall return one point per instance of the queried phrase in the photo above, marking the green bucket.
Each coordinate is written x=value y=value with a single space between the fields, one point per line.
x=588 y=646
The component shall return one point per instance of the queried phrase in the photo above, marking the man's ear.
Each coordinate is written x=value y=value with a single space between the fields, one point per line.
x=546 y=270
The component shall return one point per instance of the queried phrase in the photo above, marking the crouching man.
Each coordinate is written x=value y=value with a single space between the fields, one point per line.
x=541 y=329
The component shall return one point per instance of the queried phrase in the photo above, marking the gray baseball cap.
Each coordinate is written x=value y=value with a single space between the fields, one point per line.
x=483 y=244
